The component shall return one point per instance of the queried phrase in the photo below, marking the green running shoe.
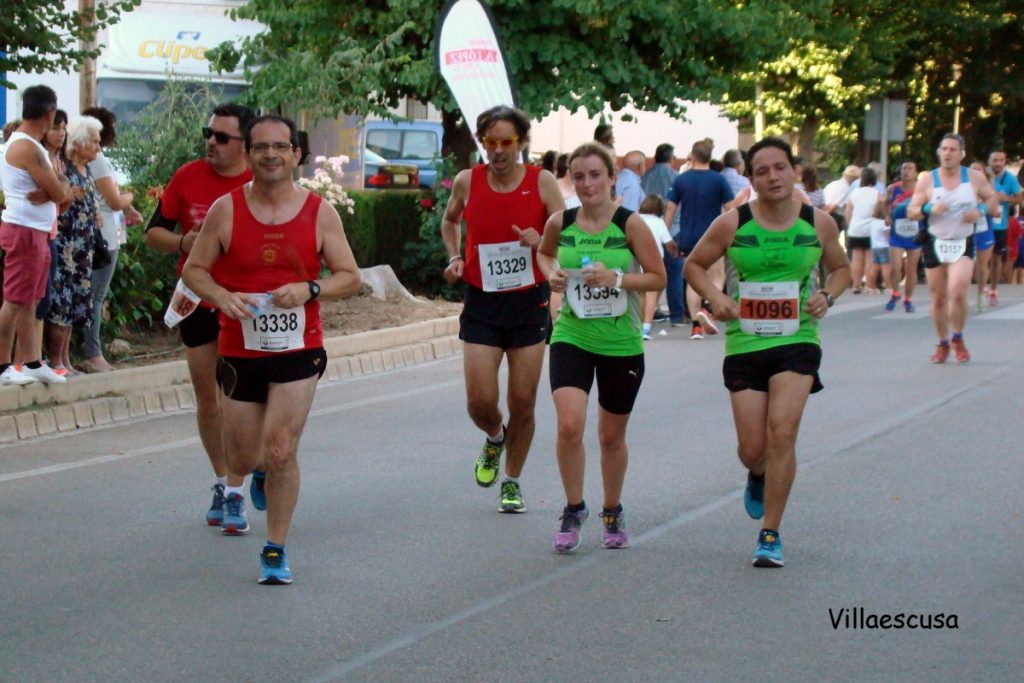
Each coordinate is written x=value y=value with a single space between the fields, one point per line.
x=488 y=464
x=511 y=497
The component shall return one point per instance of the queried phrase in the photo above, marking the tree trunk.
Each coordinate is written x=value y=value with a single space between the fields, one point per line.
x=458 y=140
x=87 y=74
x=805 y=144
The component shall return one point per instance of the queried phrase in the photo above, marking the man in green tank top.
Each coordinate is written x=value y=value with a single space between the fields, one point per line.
x=772 y=348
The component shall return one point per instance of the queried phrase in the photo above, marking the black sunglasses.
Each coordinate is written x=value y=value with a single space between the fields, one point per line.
x=221 y=137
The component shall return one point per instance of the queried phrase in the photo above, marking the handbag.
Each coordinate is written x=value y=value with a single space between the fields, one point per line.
x=101 y=257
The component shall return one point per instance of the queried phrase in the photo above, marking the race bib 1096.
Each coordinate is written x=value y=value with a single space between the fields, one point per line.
x=770 y=309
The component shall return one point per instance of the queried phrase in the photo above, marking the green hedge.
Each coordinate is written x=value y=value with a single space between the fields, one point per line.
x=384 y=222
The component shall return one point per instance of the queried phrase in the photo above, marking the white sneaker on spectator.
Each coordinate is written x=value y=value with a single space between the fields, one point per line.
x=44 y=373
x=11 y=377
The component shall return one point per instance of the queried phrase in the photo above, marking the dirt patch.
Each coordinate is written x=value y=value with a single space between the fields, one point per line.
x=360 y=313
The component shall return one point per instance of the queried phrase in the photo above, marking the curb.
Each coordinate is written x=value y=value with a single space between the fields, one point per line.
x=103 y=398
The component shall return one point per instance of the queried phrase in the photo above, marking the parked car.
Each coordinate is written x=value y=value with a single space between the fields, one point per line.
x=381 y=174
x=416 y=143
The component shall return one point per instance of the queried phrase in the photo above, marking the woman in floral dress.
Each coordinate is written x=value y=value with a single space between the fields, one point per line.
x=71 y=297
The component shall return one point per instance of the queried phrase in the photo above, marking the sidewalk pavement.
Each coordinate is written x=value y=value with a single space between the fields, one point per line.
x=99 y=399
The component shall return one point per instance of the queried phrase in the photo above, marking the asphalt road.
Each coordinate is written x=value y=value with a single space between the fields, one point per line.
x=907 y=500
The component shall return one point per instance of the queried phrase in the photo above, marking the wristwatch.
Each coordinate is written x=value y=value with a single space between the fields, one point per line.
x=829 y=298
x=314 y=289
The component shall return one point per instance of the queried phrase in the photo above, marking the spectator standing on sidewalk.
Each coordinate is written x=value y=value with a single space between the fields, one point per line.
x=700 y=195
x=32 y=189
x=71 y=296
x=628 y=184
x=658 y=180
x=116 y=213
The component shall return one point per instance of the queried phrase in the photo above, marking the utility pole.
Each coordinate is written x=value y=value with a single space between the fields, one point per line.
x=87 y=74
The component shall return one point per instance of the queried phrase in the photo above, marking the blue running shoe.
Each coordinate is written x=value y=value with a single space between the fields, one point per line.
x=891 y=304
x=753 y=497
x=908 y=306
x=257 y=490
x=274 y=569
x=215 y=515
x=769 y=549
x=235 y=522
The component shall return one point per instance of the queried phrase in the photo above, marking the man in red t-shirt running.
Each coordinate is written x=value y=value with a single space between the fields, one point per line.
x=505 y=204
x=257 y=260
x=183 y=204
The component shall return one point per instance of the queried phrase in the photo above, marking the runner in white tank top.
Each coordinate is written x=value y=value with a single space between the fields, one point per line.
x=948 y=197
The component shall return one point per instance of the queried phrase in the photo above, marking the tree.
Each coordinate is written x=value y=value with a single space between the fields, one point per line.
x=37 y=36
x=861 y=49
x=573 y=53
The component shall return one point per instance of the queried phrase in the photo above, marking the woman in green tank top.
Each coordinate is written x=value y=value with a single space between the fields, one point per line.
x=601 y=257
x=772 y=349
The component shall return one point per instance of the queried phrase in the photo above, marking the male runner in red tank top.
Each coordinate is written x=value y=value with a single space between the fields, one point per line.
x=267 y=240
x=505 y=204
x=183 y=205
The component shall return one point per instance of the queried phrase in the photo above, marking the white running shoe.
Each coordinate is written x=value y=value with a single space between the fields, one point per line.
x=12 y=377
x=44 y=373
x=707 y=322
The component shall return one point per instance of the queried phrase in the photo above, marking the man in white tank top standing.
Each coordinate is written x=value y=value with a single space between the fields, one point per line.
x=951 y=198
x=32 y=191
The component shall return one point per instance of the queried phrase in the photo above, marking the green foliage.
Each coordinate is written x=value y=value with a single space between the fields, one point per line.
x=360 y=226
x=364 y=57
x=398 y=226
x=382 y=224
x=855 y=50
x=284 y=76
x=37 y=36
x=164 y=137
x=142 y=284
x=166 y=134
x=426 y=258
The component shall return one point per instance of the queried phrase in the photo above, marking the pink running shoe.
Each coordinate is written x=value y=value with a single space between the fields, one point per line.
x=615 y=535
x=568 y=537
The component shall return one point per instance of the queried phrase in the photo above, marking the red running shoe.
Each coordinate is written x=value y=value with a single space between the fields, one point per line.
x=960 y=349
x=941 y=353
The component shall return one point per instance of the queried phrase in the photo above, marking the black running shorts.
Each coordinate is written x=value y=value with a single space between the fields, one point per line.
x=249 y=379
x=1000 y=246
x=930 y=260
x=753 y=370
x=507 y=320
x=200 y=328
x=618 y=377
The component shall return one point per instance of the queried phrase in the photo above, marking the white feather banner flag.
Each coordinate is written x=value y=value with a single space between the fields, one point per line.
x=471 y=61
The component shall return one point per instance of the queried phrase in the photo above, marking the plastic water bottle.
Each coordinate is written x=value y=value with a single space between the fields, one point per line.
x=262 y=306
x=587 y=267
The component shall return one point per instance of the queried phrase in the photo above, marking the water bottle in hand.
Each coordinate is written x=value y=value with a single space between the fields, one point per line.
x=262 y=306
x=588 y=268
